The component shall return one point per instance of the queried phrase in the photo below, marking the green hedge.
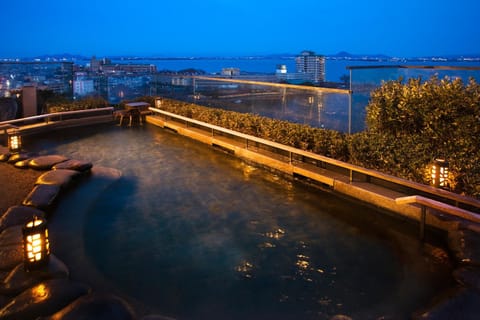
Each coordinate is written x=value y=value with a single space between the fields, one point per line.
x=87 y=103
x=412 y=123
x=327 y=142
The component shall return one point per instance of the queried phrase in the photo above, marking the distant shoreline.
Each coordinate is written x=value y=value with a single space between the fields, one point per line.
x=339 y=56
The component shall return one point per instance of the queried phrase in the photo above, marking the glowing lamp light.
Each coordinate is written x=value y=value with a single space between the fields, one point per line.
x=15 y=142
x=158 y=103
x=36 y=247
x=440 y=173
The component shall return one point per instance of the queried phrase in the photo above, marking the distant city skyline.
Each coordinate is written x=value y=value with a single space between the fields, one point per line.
x=410 y=28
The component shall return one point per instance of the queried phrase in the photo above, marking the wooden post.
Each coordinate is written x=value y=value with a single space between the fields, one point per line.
x=423 y=217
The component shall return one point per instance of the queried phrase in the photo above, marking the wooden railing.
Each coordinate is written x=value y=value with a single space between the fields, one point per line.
x=57 y=120
x=58 y=116
x=353 y=172
x=425 y=203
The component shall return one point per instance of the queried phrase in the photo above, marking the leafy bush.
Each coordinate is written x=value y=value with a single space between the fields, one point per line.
x=86 y=103
x=411 y=124
x=330 y=143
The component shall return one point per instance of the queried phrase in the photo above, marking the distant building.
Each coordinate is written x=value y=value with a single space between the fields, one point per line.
x=230 y=72
x=295 y=77
x=283 y=75
x=83 y=87
x=181 y=81
x=311 y=65
x=281 y=69
x=128 y=68
x=29 y=101
x=94 y=64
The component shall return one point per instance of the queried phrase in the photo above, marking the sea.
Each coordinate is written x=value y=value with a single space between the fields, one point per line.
x=335 y=69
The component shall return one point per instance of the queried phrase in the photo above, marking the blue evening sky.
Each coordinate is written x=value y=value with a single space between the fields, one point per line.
x=403 y=28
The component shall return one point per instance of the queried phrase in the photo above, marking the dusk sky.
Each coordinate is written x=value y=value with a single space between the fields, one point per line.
x=404 y=28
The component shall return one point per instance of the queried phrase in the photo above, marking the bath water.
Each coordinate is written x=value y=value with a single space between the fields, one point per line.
x=190 y=232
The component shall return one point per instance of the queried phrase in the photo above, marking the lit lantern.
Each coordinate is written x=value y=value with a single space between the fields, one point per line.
x=36 y=246
x=15 y=142
x=440 y=173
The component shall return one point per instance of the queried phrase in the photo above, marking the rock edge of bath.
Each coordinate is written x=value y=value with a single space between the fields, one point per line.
x=48 y=293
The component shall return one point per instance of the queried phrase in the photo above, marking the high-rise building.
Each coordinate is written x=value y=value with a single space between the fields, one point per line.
x=312 y=65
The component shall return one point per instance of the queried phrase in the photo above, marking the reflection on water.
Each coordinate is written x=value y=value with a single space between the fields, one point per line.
x=194 y=233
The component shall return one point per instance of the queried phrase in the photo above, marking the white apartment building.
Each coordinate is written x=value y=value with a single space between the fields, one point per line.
x=311 y=65
x=83 y=87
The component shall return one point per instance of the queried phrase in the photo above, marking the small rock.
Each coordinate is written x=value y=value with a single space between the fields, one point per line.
x=96 y=306
x=72 y=164
x=60 y=177
x=19 y=280
x=10 y=256
x=46 y=162
x=44 y=299
x=23 y=164
x=19 y=157
x=11 y=236
x=5 y=156
x=19 y=215
x=42 y=196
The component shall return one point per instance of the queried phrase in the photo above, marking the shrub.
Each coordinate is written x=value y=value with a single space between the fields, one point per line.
x=411 y=124
x=86 y=103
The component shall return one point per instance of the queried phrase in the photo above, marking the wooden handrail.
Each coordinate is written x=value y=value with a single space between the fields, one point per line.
x=274 y=84
x=451 y=210
x=353 y=168
x=56 y=114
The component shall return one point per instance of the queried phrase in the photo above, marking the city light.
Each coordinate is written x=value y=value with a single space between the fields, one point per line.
x=36 y=244
x=439 y=173
x=15 y=142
